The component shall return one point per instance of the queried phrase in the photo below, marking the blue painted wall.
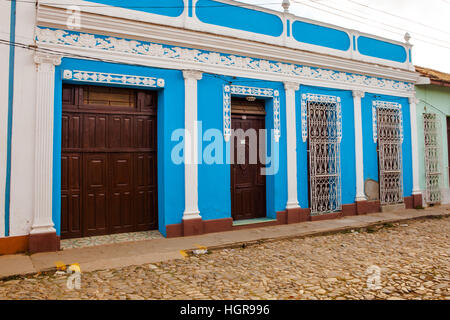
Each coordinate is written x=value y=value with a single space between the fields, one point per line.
x=381 y=49
x=170 y=117
x=170 y=8
x=214 y=180
x=237 y=17
x=320 y=36
x=348 y=167
x=214 y=195
x=370 y=148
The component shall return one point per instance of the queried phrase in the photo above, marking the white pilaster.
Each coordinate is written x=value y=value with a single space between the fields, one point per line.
x=414 y=144
x=191 y=145
x=43 y=167
x=291 y=141
x=359 y=159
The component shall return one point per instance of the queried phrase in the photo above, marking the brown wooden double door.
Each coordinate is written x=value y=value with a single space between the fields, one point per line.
x=109 y=164
x=248 y=185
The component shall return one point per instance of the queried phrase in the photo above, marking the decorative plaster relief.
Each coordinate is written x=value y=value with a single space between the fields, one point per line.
x=319 y=98
x=229 y=90
x=202 y=57
x=103 y=77
x=385 y=104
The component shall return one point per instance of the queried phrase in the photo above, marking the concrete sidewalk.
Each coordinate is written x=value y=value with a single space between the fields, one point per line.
x=156 y=250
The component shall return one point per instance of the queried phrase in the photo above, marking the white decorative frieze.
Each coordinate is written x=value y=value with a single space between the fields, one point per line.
x=226 y=112
x=173 y=53
x=229 y=90
x=387 y=105
x=112 y=78
x=322 y=99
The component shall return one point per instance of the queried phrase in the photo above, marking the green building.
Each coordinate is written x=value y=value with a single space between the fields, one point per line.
x=433 y=125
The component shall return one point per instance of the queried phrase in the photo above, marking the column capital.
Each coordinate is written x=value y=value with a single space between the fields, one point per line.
x=289 y=85
x=41 y=58
x=413 y=99
x=358 y=94
x=192 y=74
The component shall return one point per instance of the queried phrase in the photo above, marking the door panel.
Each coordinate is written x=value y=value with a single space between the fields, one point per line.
x=120 y=131
x=71 y=128
x=121 y=181
x=71 y=194
x=94 y=131
x=96 y=189
x=146 y=190
x=248 y=186
x=108 y=162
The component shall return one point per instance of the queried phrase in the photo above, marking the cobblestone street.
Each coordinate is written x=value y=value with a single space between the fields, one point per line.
x=414 y=262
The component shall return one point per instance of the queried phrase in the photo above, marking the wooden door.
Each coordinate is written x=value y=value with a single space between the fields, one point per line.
x=109 y=182
x=248 y=185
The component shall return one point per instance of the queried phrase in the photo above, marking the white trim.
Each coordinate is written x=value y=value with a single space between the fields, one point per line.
x=191 y=145
x=229 y=90
x=413 y=101
x=43 y=176
x=385 y=104
x=359 y=158
x=109 y=11
x=291 y=143
x=165 y=56
x=113 y=78
x=135 y=17
x=112 y=26
x=312 y=97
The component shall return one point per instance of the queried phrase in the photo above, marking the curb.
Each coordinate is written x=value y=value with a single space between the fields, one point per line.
x=361 y=227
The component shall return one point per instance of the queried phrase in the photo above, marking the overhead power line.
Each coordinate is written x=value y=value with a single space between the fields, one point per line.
x=297 y=2
x=397 y=16
x=376 y=21
x=142 y=6
x=365 y=22
x=52 y=51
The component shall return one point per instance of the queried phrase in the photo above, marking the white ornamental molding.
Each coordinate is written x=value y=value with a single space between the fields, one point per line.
x=201 y=57
x=112 y=78
x=385 y=104
x=320 y=98
x=229 y=90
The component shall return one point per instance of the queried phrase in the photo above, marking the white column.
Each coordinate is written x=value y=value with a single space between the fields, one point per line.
x=359 y=159
x=191 y=149
x=414 y=144
x=291 y=141
x=43 y=162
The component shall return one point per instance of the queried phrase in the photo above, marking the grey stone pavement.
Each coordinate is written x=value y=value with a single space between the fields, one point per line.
x=160 y=250
x=409 y=259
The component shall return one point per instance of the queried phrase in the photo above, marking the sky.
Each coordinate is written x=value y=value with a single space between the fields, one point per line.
x=427 y=21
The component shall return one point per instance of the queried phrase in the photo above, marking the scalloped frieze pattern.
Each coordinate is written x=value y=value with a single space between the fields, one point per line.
x=229 y=90
x=113 y=44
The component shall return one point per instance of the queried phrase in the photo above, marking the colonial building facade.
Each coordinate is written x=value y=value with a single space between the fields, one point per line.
x=433 y=118
x=121 y=116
